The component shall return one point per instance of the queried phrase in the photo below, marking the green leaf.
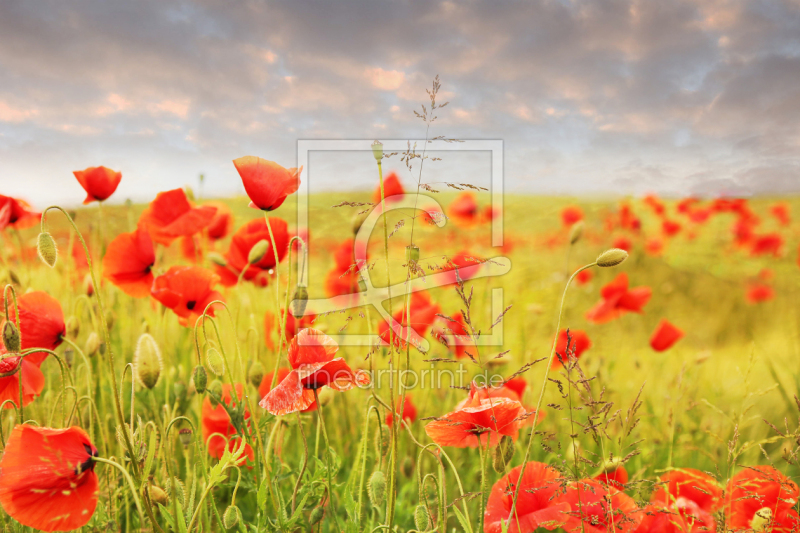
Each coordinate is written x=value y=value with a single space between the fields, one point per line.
x=151 y=453
x=462 y=520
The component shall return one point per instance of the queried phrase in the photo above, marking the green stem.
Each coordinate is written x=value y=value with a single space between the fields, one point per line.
x=321 y=419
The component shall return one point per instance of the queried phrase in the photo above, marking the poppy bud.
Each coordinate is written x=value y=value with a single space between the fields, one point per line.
x=46 y=247
x=185 y=435
x=231 y=516
x=157 y=495
x=258 y=251
x=316 y=515
x=407 y=467
x=421 y=518
x=200 y=378
x=612 y=257
x=13 y=278
x=612 y=464
x=376 y=488
x=215 y=362
x=299 y=301
x=412 y=253
x=382 y=442
x=256 y=373
x=92 y=344
x=69 y=356
x=179 y=390
x=73 y=327
x=110 y=319
x=11 y=338
x=102 y=349
x=576 y=232
x=377 y=151
x=145 y=327
x=9 y=365
x=147 y=361
x=215 y=391
x=761 y=520
x=217 y=259
x=503 y=453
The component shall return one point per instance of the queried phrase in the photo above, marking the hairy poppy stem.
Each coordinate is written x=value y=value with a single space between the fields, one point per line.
x=541 y=395
x=321 y=419
x=16 y=319
x=305 y=461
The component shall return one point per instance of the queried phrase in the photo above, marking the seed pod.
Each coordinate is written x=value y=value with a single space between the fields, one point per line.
x=256 y=373
x=11 y=338
x=47 y=249
x=299 y=301
x=258 y=251
x=231 y=516
x=407 y=467
x=612 y=257
x=147 y=363
x=377 y=151
x=217 y=259
x=412 y=253
x=157 y=495
x=215 y=362
x=92 y=344
x=185 y=434
x=376 y=488
x=73 y=327
x=576 y=232
x=200 y=378
x=422 y=519
x=215 y=392
x=316 y=515
x=503 y=453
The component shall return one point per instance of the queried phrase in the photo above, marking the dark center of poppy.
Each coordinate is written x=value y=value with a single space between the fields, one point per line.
x=89 y=463
x=190 y=304
x=148 y=269
x=477 y=430
x=313 y=385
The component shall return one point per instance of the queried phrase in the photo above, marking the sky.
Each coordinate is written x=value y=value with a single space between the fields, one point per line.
x=676 y=97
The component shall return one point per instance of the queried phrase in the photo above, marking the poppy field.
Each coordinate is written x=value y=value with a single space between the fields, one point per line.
x=164 y=367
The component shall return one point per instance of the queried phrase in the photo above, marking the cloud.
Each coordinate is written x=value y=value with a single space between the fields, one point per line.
x=678 y=97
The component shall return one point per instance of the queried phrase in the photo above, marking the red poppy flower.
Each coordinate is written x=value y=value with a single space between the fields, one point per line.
x=343 y=278
x=685 y=206
x=598 y=508
x=683 y=517
x=17 y=213
x=243 y=240
x=535 y=508
x=32 y=379
x=665 y=335
x=293 y=325
x=41 y=323
x=476 y=416
x=623 y=243
x=627 y=219
x=391 y=187
x=217 y=420
x=570 y=215
x=654 y=246
x=409 y=411
x=616 y=477
x=222 y=223
x=583 y=277
x=617 y=300
x=47 y=478
x=171 y=215
x=490 y=213
x=655 y=204
x=187 y=290
x=129 y=261
x=781 y=213
x=670 y=228
x=478 y=393
x=98 y=182
x=517 y=385
x=311 y=354
x=759 y=496
x=690 y=484
x=423 y=314
x=464 y=209
x=461 y=266
x=579 y=343
x=266 y=182
x=266 y=383
x=454 y=334
x=769 y=244
x=760 y=293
